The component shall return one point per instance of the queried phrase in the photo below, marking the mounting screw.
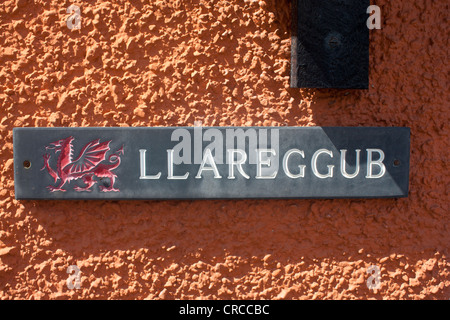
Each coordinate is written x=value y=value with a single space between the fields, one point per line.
x=333 y=40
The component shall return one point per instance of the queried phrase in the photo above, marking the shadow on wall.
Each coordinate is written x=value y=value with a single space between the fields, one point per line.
x=297 y=239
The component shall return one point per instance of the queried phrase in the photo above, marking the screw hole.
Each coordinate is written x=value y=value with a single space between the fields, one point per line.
x=27 y=164
x=396 y=163
x=333 y=42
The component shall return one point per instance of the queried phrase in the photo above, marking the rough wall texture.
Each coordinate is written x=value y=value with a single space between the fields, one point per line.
x=170 y=63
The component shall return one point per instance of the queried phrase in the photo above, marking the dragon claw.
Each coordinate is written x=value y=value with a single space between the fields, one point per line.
x=110 y=189
x=53 y=189
x=79 y=189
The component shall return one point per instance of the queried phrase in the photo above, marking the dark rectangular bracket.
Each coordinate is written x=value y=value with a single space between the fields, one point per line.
x=330 y=44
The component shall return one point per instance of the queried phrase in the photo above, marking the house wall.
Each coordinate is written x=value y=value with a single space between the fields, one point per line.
x=224 y=63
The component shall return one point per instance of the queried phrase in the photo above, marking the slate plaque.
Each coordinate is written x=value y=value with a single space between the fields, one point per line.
x=330 y=44
x=211 y=162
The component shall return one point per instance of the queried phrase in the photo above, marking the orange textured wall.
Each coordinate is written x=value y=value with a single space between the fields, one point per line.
x=170 y=63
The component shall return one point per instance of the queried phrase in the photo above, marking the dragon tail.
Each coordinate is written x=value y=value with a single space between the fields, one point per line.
x=49 y=169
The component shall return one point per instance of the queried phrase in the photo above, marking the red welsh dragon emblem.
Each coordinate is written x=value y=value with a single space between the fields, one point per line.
x=85 y=167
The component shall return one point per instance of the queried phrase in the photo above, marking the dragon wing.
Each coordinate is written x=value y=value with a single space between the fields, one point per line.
x=91 y=155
